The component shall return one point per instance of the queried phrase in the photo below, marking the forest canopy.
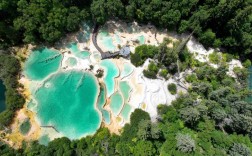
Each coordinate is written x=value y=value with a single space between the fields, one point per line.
x=216 y=23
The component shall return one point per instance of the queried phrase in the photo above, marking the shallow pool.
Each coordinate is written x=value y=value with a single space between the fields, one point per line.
x=44 y=140
x=42 y=63
x=71 y=61
x=141 y=39
x=125 y=90
x=127 y=70
x=126 y=112
x=111 y=71
x=106 y=40
x=116 y=103
x=25 y=127
x=77 y=52
x=67 y=102
x=2 y=97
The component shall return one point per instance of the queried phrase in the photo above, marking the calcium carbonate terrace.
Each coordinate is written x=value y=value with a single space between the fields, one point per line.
x=69 y=99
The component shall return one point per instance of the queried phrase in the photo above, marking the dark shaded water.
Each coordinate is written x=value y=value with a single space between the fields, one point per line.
x=2 y=96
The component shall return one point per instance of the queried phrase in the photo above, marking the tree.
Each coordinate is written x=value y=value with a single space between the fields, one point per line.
x=208 y=37
x=239 y=149
x=185 y=143
x=202 y=88
x=144 y=130
x=152 y=71
x=115 y=8
x=172 y=88
x=144 y=148
x=190 y=115
x=99 y=12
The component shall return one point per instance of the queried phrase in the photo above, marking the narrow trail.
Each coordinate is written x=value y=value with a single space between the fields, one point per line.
x=50 y=127
x=104 y=55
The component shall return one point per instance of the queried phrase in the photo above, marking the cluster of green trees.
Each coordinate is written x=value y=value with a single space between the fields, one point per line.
x=167 y=60
x=40 y=20
x=215 y=22
x=213 y=118
x=9 y=72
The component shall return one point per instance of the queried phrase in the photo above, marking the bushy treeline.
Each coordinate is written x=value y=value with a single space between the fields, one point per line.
x=9 y=72
x=165 y=59
x=213 y=118
x=215 y=22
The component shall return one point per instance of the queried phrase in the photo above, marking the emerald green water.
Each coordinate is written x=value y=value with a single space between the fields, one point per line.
x=31 y=105
x=111 y=71
x=117 y=39
x=67 y=102
x=41 y=63
x=25 y=127
x=101 y=102
x=127 y=70
x=101 y=98
x=126 y=112
x=71 y=61
x=116 y=103
x=44 y=140
x=125 y=90
x=141 y=39
x=106 y=116
x=77 y=52
x=2 y=97
x=106 y=40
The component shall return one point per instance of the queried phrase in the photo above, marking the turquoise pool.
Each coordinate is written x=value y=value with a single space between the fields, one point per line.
x=111 y=71
x=125 y=90
x=127 y=70
x=71 y=61
x=106 y=40
x=101 y=102
x=116 y=103
x=141 y=39
x=44 y=140
x=126 y=112
x=42 y=63
x=2 y=97
x=67 y=102
x=77 y=52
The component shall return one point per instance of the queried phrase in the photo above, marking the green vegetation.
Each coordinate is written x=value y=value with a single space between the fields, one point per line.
x=215 y=58
x=169 y=59
x=40 y=20
x=152 y=71
x=142 y=53
x=9 y=71
x=172 y=88
x=163 y=73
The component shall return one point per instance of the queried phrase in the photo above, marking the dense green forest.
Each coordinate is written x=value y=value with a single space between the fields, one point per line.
x=217 y=23
x=213 y=118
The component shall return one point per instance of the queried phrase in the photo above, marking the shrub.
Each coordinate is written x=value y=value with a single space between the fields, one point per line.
x=142 y=53
x=163 y=73
x=214 y=58
x=191 y=78
x=152 y=71
x=247 y=63
x=172 y=88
